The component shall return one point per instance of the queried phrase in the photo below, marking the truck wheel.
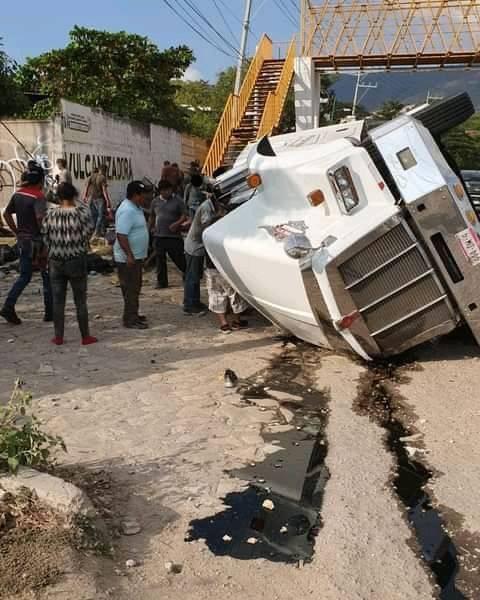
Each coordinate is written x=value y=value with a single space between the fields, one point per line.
x=446 y=114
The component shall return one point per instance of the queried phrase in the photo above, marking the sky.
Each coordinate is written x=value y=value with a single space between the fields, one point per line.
x=39 y=27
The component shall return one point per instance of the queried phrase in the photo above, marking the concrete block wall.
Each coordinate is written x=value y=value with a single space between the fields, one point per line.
x=41 y=139
x=87 y=138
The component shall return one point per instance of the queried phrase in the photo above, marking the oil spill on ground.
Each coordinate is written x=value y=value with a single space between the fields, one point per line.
x=277 y=516
x=376 y=399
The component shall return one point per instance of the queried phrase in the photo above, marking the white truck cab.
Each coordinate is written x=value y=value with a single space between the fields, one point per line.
x=354 y=241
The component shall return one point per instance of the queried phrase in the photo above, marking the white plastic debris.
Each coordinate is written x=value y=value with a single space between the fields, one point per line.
x=227 y=538
x=131 y=563
x=268 y=505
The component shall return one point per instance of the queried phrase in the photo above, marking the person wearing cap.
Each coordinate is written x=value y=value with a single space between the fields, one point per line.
x=130 y=250
x=29 y=205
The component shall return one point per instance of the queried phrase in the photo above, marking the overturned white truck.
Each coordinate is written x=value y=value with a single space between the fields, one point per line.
x=351 y=239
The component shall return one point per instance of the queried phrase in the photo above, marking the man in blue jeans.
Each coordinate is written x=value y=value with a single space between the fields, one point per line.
x=29 y=205
x=100 y=204
x=205 y=215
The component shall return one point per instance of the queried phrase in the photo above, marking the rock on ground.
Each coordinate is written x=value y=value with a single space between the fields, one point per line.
x=59 y=495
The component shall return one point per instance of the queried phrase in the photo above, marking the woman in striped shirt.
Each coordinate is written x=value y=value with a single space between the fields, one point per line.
x=66 y=231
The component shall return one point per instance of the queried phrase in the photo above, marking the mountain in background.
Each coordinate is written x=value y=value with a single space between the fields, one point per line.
x=409 y=88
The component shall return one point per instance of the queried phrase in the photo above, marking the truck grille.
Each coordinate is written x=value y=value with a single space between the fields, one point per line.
x=394 y=288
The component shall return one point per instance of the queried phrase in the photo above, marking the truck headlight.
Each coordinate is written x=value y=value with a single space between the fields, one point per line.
x=345 y=188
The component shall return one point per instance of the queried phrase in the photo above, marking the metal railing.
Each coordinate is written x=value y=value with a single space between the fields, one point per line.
x=272 y=113
x=235 y=108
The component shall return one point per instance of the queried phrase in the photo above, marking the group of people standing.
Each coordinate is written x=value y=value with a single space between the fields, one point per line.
x=177 y=217
x=57 y=241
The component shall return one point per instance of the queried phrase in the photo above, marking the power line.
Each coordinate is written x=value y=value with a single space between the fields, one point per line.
x=210 y=26
x=199 y=33
x=286 y=12
x=219 y=10
x=259 y=8
x=191 y=11
x=237 y=18
x=16 y=139
x=295 y=6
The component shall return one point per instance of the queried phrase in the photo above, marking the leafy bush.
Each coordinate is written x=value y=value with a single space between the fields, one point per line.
x=22 y=441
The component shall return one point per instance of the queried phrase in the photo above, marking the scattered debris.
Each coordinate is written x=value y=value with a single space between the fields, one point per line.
x=277 y=516
x=230 y=379
x=268 y=505
x=288 y=415
x=46 y=369
x=173 y=568
x=131 y=563
x=378 y=399
x=130 y=527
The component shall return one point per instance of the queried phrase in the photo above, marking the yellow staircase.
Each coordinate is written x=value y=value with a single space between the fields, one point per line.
x=257 y=109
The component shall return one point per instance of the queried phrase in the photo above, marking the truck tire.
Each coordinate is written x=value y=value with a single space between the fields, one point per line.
x=446 y=114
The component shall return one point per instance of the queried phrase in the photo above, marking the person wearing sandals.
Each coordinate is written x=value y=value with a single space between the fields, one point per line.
x=222 y=298
x=66 y=231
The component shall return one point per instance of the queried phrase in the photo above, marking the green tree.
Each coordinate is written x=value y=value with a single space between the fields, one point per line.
x=122 y=73
x=195 y=98
x=389 y=110
x=223 y=87
x=463 y=143
x=203 y=102
x=12 y=99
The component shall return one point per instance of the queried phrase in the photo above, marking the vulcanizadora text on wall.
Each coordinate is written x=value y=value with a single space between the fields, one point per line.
x=88 y=138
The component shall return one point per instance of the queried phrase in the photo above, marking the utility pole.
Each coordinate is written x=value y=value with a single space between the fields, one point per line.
x=431 y=98
x=359 y=85
x=243 y=46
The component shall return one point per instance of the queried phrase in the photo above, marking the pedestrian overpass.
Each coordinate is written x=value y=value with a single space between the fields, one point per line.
x=340 y=36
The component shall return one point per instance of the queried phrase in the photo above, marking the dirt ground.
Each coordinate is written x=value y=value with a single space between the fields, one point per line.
x=150 y=409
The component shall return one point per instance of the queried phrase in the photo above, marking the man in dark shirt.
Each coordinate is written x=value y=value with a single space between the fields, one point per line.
x=168 y=214
x=29 y=205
